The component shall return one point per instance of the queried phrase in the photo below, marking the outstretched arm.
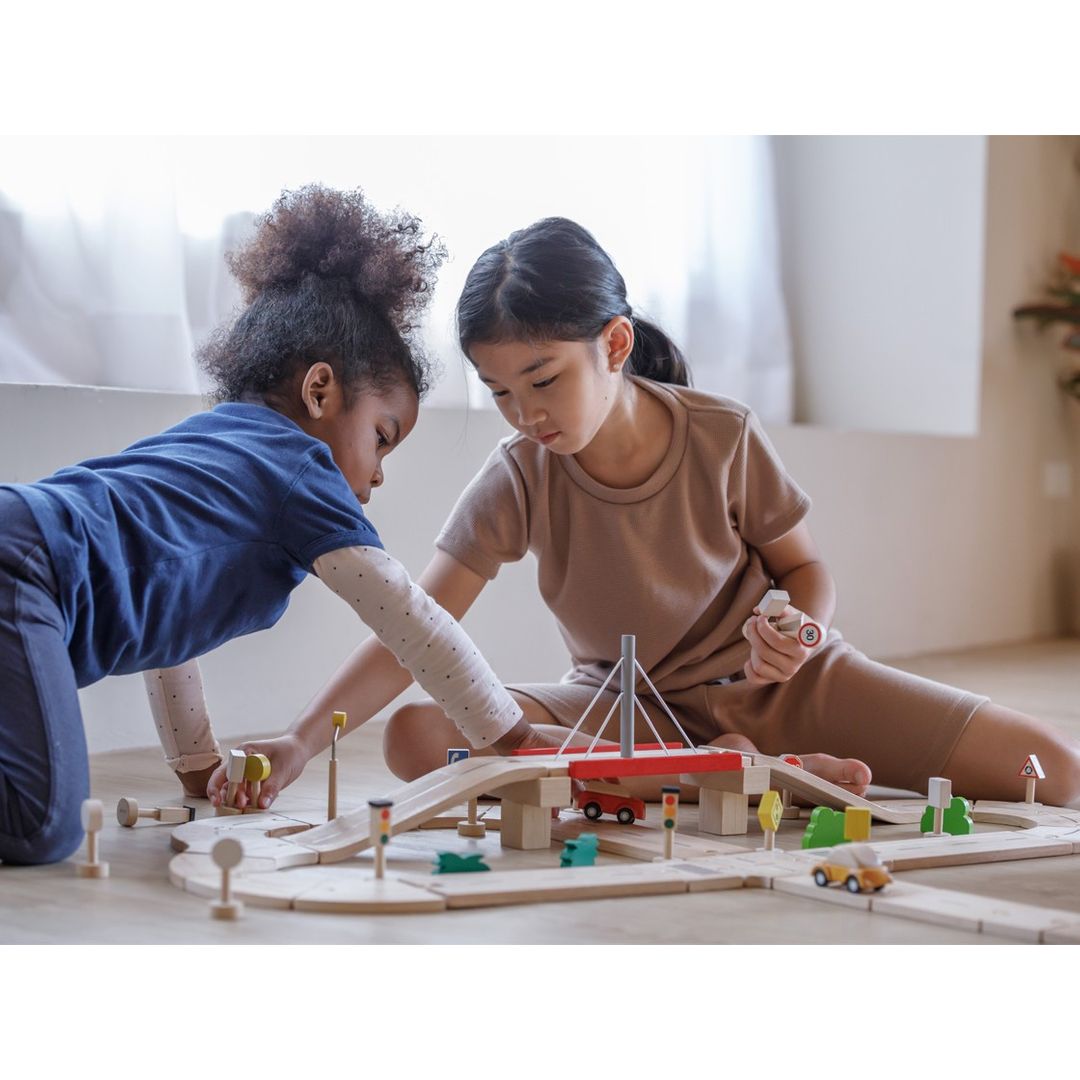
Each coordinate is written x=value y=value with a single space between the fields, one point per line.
x=374 y=674
x=178 y=704
x=425 y=639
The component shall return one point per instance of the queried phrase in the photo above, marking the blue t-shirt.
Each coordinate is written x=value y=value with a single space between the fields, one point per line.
x=191 y=537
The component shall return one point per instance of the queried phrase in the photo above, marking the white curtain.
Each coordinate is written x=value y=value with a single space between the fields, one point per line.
x=111 y=256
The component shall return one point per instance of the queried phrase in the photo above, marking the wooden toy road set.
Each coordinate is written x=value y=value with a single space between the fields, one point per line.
x=291 y=863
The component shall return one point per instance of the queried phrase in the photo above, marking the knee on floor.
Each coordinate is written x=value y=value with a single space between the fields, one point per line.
x=407 y=734
x=56 y=839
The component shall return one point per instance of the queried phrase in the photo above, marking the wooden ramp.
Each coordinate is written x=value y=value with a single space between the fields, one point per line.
x=422 y=800
x=822 y=793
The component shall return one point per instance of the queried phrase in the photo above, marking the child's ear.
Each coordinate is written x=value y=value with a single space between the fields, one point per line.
x=318 y=384
x=618 y=337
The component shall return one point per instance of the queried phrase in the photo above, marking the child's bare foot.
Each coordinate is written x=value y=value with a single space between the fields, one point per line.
x=848 y=773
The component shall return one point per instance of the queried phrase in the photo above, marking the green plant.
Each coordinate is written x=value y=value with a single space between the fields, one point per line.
x=1063 y=306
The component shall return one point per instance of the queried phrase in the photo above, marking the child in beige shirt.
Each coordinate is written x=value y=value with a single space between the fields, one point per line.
x=661 y=511
x=664 y=512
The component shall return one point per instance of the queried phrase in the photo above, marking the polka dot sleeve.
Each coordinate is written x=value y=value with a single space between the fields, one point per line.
x=425 y=638
x=180 y=715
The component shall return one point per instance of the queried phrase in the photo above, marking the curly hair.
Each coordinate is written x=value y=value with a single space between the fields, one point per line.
x=326 y=277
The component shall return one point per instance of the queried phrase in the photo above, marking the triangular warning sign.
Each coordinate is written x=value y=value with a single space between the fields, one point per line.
x=1031 y=767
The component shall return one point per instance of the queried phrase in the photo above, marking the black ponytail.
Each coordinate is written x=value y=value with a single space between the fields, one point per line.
x=553 y=282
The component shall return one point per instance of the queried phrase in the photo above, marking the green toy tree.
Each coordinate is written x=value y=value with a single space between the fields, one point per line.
x=826 y=828
x=580 y=851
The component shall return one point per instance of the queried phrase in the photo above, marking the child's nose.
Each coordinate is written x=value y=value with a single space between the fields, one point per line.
x=530 y=416
x=377 y=477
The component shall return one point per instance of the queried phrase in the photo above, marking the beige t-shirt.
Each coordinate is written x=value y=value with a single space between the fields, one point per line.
x=673 y=561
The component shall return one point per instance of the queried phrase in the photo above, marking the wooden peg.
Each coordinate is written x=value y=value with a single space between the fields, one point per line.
x=471 y=827
x=380 y=832
x=770 y=814
x=939 y=795
x=93 y=817
x=1031 y=771
x=128 y=812
x=227 y=854
x=338 y=720
x=256 y=770
x=669 y=801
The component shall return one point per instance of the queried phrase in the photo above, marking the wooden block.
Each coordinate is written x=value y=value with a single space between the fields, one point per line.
x=548 y=791
x=751 y=781
x=472 y=830
x=856 y=823
x=773 y=603
x=723 y=813
x=525 y=827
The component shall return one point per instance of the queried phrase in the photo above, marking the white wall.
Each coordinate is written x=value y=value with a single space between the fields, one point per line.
x=882 y=252
x=935 y=542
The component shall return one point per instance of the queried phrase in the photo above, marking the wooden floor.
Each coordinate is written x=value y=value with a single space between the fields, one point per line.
x=136 y=904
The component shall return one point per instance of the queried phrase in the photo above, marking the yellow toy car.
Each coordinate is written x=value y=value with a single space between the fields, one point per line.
x=856 y=865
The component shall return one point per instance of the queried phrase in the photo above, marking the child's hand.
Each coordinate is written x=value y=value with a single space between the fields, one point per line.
x=774 y=657
x=287 y=761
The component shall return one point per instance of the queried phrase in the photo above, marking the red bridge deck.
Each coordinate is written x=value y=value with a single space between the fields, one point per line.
x=653 y=764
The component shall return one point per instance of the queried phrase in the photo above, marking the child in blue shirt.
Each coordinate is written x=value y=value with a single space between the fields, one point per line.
x=149 y=558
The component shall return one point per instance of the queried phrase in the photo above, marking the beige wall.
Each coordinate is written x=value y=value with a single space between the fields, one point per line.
x=936 y=543
x=940 y=543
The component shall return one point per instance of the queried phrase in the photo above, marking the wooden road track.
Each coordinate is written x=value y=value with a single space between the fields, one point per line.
x=285 y=857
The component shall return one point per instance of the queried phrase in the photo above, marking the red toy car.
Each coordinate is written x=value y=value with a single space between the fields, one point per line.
x=600 y=798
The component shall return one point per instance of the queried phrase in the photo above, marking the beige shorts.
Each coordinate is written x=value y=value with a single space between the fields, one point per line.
x=841 y=702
